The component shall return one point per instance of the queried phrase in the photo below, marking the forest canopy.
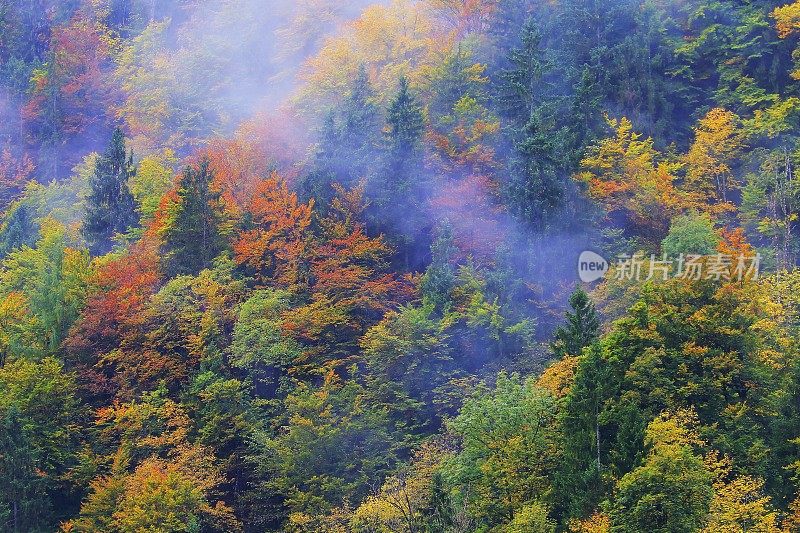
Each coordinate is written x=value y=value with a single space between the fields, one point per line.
x=313 y=266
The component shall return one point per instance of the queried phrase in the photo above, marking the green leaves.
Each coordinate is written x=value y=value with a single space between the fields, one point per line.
x=508 y=450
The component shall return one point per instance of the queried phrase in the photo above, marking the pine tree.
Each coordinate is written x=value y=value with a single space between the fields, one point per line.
x=586 y=117
x=110 y=206
x=535 y=190
x=18 y=229
x=347 y=144
x=582 y=327
x=397 y=191
x=518 y=83
x=405 y=126
x=360 y=127
x=440 y=278
x=23 y=504
x=194 y=233
x=579 y=479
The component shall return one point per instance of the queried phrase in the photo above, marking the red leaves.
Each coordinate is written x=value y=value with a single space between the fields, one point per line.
x=74 y=79
x=470 y=206
x=113 y=316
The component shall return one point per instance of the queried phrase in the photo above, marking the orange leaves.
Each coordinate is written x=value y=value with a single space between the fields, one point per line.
x=349 y=286
x=787 y=19
x=114 y=314
x=237 y=166
x=347 y=264
x=470 y=207
x=275 y=248
x=74 y=77
x=734 y=243
x=629 y=177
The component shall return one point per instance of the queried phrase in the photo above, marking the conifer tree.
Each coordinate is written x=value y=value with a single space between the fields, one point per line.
x=360 y=127
x=405 y=126
x=440 y=277
x=582 y=327
x=194 y=232
x=535 y=190
x=23 y=504
x=397 y=190
x=19 y=228
x=110 y=206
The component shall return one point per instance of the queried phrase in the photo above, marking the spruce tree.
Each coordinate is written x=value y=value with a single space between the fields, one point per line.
x=405 y=126
x=582 y=327
x=536 y=189
x=396 y=190
x=24 y=505
x=347 y=145
x=440 y=277
x=194 y=233
x=110 y=207
x=19 y=228
x=360 y=128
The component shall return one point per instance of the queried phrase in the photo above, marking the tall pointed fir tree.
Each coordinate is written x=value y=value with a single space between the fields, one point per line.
x=397 y=192
x=360 y=127
x=110 y=206
x=582 y=327
x=195 y=229
x=348 y=143
x=405 y=124
x=535 y=190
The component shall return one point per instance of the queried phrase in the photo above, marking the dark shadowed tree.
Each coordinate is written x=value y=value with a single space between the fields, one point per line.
x=194 y=231
x=582 y=327
x=110 y=206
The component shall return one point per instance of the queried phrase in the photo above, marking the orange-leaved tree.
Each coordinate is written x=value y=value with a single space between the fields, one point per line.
x=276 y=248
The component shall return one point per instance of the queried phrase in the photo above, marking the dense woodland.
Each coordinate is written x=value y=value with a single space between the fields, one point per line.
x=310 y=266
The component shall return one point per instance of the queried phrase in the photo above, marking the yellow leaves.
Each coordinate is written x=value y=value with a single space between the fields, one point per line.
x=626 y=174
x=739 y=503
x=787 y=22
x=558 y=377
x=787 y=19
x=597 y=523
x=152 y=180
x=389 y=40
x=678 y=428
x=400 y=502
x=719 y=140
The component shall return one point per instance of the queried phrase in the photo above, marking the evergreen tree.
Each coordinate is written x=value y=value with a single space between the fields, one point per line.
x=396 y=190
x=516 y=91
x=360 y=128
x=535 y=190
x=18 y=229
x=582 y=327
x=579 y=480
x=586 y=117
x=194 y=233
x=440 y=277
x=23 y=503
x=110 y=206
x=347 y=144
x=405 y=126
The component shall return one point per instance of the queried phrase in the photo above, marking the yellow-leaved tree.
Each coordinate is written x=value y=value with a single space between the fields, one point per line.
x=719 y=141
x=633 y=181
x=387 y=40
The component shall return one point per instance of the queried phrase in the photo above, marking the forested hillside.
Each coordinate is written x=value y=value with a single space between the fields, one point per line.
x=312 y=266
